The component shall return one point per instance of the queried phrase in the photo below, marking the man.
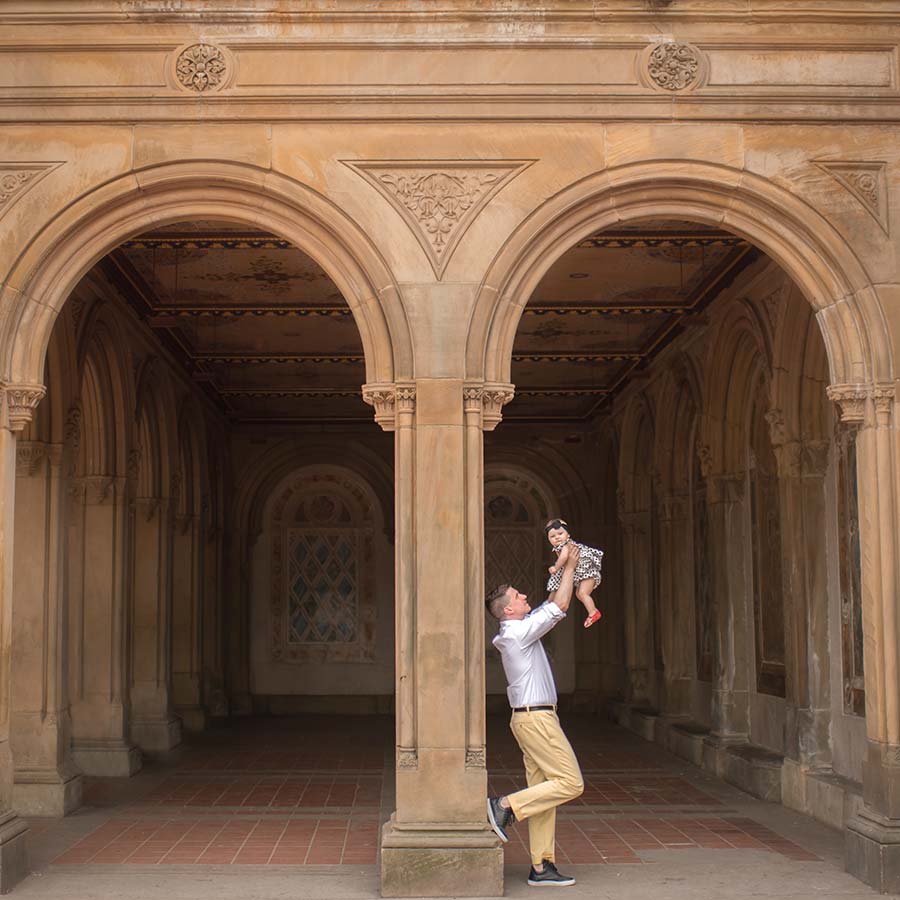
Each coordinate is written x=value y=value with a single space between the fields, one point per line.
x=551 y=769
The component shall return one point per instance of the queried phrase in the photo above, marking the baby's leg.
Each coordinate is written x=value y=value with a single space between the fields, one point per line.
x=583 y=591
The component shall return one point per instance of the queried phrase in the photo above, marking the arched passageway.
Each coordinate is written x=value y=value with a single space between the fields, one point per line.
x=652 y=317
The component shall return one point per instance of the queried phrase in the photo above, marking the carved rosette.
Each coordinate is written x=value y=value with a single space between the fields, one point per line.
x=439 y=199
x=201 y=68
x=494 y=398
x=674 y=67
x=21 y=402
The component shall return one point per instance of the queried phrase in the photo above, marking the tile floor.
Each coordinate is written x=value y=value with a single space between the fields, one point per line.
x=314 y=792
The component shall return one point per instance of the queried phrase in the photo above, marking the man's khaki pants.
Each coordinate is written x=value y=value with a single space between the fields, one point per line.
x=553 y=778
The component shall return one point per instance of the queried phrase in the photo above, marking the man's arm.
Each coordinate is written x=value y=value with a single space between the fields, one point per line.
x=562 y=596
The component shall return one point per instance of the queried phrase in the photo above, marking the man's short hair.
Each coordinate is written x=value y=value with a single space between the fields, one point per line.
x=495 y=601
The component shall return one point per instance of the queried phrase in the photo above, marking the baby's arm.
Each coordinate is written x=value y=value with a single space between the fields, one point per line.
x=560 y=559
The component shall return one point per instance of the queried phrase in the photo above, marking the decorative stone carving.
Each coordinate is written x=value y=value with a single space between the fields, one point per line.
x=775 y=420
x=201 y=68
x=28 y=456
x=475 y=758
x=407 y=758
x=494 y=398
x=381 y=398
x=17 y=178
x=704 y=455
x=674 y=67
x=851 y=399
x=21 y=402
x=97 y=489
x=726 y=488
x=867 y=182
x=439 y=199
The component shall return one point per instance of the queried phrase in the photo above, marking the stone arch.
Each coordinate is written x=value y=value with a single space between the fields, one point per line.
x=742 y=356
x=104 y=397
x=53 y=262
x=251 y=495
x=680 y=405
x=790 y=231
x=154 y=441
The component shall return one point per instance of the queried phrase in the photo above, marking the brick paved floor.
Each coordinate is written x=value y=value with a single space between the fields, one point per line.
x=313 y=793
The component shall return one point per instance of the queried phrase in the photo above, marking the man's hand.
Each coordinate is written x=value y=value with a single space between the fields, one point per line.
x=572 y=557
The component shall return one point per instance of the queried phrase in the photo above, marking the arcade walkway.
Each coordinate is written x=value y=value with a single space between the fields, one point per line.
x=292 y=808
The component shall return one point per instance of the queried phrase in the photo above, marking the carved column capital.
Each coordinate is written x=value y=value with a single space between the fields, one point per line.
x=674 y=507
x=789 y=458
x=494 y=398
x=390 y=401
x=21 y=402
x=814 y=458
x=726 y=488
x=29 y=455
x=853 y=399
x=777 y=430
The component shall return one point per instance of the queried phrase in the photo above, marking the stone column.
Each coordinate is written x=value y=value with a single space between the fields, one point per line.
x=17 y=404
x=47 y=782
x=676 y=603
x=98 y=633
x=730 y=714
x=215 y=699
x=801 y=484
x=154 y=725
x=437 y=841
x=873 y=836
x=187 y=622
x=638 y=627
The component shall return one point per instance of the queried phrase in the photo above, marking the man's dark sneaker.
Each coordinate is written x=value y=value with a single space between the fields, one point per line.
x=499 y=818
x=550 y=876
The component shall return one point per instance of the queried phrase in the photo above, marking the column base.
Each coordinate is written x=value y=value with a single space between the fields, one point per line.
x=46 y=792
x=872 y=846
x=156 y=735
x=440 y=861
x=193 y=718
x=110 y=759
x=715 y=750
x=13 y=851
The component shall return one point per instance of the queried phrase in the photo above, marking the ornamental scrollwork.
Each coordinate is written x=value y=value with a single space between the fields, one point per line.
x=673 y=67
x=201 y=68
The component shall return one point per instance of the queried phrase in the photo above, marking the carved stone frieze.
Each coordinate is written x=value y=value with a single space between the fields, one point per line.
x=201 y=68
x=494 y=397
x=674 y=67
x=866 y=181
x=21 y=402
x=439 y=199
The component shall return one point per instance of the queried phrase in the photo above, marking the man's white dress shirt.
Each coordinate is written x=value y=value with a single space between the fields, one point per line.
x=524 y=659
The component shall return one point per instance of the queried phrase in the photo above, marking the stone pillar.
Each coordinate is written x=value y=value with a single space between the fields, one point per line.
x=98 y=642
x=437 y=841
x=801 y=484
x=187 y=622
x=47 y=782
x=215 y=699
x=638 y=627
x=730 y=714
x=154 y=725
x=873 y=836
x=676 y=603
x=17 y=404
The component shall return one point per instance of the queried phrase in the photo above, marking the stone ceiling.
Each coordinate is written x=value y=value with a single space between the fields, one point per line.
x=265 y=331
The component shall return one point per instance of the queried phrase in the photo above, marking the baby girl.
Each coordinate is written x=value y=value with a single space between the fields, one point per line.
x=587 y=573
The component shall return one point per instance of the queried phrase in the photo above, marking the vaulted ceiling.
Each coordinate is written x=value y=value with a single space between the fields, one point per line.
x=265 y=331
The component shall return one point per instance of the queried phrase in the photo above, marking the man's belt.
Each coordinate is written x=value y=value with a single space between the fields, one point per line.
x=531 y=708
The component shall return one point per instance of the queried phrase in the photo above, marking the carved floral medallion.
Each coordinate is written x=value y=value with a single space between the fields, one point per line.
x=201 y=68
x=673 y=67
